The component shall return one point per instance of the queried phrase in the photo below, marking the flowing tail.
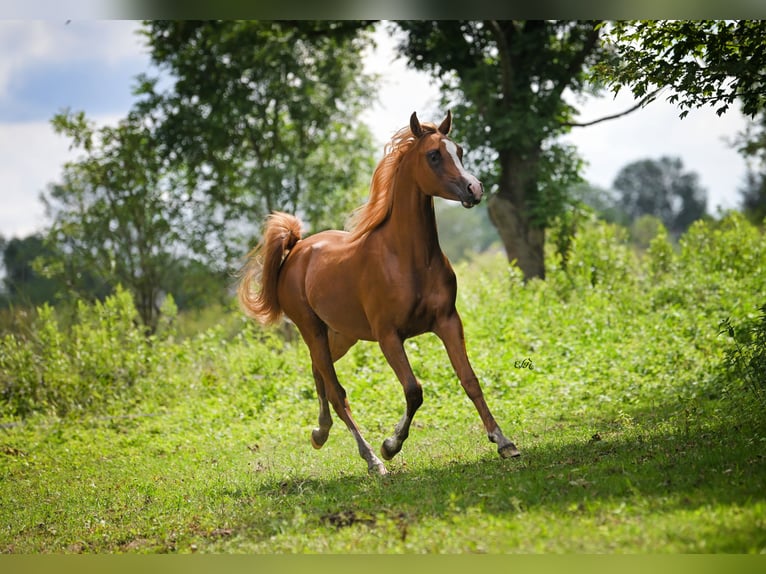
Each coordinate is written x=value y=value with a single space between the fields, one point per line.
x=263 y=263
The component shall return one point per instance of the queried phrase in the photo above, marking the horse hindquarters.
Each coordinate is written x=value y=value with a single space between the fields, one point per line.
x=325 y=347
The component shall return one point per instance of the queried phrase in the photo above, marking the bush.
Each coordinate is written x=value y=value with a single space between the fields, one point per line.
x=660 y=254
x=83 y=368
x=613 y=327
x=744 y=365
x=598 y=255
x=718 y=262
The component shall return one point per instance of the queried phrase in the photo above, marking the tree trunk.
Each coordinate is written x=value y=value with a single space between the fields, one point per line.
x=523 y=241
x=509 y=211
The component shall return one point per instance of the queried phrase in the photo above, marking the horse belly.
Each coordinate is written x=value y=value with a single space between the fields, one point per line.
x=340 y=310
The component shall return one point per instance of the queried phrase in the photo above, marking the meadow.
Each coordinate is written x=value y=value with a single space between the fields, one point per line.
x=633 y=383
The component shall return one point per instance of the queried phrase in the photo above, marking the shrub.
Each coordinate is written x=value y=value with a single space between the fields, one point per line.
x=85 y=367
x=611 y=326
x=744 y=365
x=716 y=263
x=598 y=255
x=660 y=254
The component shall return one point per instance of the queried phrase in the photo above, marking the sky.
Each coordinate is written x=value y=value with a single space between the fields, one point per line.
x=91 y=65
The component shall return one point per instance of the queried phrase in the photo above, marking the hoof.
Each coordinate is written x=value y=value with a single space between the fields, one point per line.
x=318 y=438
x=389 y=449
x=377 y=469
x=508 y=451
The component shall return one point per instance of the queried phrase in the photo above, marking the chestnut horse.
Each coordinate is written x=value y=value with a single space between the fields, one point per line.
x=384 y=280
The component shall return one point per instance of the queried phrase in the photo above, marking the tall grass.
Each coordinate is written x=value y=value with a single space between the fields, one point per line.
x=632 y=383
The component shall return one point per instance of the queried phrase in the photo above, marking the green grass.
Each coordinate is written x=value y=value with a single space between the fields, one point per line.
x=182 y=483
x=634 y=437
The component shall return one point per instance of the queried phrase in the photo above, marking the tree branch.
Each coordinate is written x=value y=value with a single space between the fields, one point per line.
x=645 y=100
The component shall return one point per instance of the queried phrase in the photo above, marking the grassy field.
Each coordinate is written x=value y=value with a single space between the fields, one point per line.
x=639 y=416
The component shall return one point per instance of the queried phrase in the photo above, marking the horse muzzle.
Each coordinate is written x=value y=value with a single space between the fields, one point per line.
x=472 y=195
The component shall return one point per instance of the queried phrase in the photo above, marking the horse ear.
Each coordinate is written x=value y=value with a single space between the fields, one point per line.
x=446 y=125
x=417 y=131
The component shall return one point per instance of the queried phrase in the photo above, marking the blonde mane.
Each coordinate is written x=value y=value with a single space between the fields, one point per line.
x=375 y=212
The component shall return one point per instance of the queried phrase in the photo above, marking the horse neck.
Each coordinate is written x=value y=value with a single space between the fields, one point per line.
x=412 y=224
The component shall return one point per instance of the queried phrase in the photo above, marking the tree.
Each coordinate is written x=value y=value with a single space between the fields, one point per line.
x=257 y=116
x=699 y=62
x=752 y=145
x=753 y=193
x=661 y=188
x=117 y=214
x=23 y=285
x=264 y=115
x=506 y=81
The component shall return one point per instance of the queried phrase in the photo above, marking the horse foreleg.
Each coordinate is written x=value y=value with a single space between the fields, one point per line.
x=450 y=331
x=393 y=349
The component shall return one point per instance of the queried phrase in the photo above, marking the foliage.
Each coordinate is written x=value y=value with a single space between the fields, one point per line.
x=99 y=360
x=645 y=229
x=637 y=434
x=661 y=188
x=600 y=254
x=753 y=192
x=257 y=116
x=117 y=214
x=22 y=284
x=746 y=362
x=506 y=81
x=701 y=62
x=264 y=115
x=751 y=143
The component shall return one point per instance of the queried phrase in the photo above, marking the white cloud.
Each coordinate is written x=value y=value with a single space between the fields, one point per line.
x=60 y=9
x=24 y=43
x=401 y=91
x=32 y=156
x=20 y=43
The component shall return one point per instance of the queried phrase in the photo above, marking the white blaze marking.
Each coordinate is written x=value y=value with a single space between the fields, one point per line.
x=452 y=151
x=451 y=148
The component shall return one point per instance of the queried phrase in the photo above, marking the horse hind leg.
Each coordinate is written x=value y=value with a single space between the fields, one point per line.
x=339 y=345
x=322 y=364
x=337 y=397
x=319 y=435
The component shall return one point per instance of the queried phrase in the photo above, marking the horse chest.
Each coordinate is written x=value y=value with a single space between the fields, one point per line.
x=419 y=302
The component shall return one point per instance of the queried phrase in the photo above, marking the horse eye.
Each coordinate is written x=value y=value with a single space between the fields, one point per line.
x=434 y=156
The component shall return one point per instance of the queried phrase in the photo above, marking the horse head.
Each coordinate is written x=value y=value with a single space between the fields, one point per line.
x=438 y=164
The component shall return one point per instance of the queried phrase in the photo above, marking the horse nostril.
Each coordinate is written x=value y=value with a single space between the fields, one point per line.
x=476 y=193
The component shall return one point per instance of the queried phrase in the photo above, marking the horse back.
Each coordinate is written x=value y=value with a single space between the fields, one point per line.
x=360 y=288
